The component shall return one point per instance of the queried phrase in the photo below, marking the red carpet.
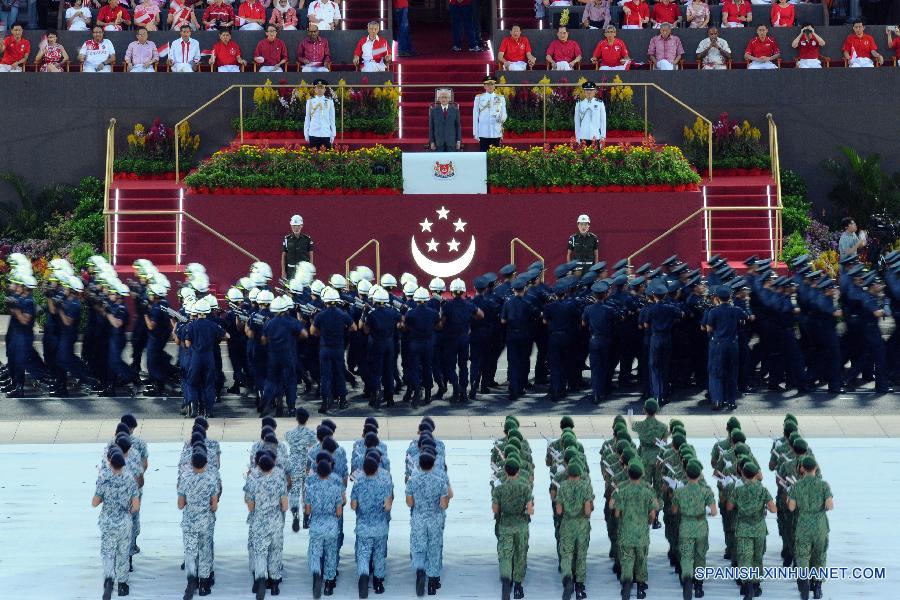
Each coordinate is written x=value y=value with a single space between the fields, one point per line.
x=741 y=233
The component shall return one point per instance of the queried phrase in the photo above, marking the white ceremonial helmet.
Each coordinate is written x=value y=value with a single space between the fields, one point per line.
x=458 y=286
x=265 y=297
x=317 y=287
x=338 y=282
x=366 y=273
x=380 y=296
x=234 y=295
x=363 y=287
x=388 y=281
x=421 y=295
x=330 y=295
x=408 y=277
x=437 y=285
x=409 y=288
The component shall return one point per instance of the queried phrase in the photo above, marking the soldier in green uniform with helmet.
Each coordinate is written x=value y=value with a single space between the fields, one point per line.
x=635 y=507
x=690 y=503
x=650 y=431
x=583 y=246
x=513 y=503
x=297 y=247
x=750 y=501
x=574 y=505
x=810 y=498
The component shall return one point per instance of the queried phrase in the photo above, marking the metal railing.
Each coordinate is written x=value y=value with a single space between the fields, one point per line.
x=544 y=94
x=361 y=249
x=107 y=184
x=512 y=251
x=778 y=236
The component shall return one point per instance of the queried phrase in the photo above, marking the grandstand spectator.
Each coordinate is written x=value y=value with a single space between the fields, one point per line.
x=461 y=18
x=372 y=51
x=782 y=14
x=9 y=12
x=596 y=14
x=313 y=52
x=324 y=13
x=762 y=52
x=611 y=54
x=251 y=15
x=698 y=14
x=637 y=14
x=15 y=50
x=515 y=51
x=52 y=56
x=184 y=54
x=665 y=11
x=78 y=16
x=563 y=54
x=893 y=43
x=97 y=55
x=226 y=54
x=146 y=14
x=141 y=55
x=113 y=17
x=182 y=13
x=218 y=15
x=271 y=54
x=665 y=51
x=713 y=51
x=736 y=13
x=284 y=16
x=860 y=48
x=401 y=26
x=808 y=44
x=557 y=2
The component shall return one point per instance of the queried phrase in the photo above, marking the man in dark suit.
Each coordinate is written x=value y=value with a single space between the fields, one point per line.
x=444 y=129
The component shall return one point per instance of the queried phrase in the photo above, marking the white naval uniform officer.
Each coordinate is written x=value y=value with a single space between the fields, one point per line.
x=590 y=116
x=488 y=115
x=318 y=126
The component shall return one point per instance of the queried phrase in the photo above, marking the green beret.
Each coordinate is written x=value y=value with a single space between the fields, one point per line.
x=733 y=423
x=793 y=436
x=740 y=449
x=625 y=436
x=808 y=463
x=513 y=462
x=567 y=437
x=673 y=423
x=514 y=442
x=510 y=450
x=515 y=434
x=750 y=469
x=620 y=429
x=678 y=440
x=509 y=426
x=575 y=469
x=790 y=417
x=619 y=419
x=651 y=406
x=694 y=469
x=622 y=445
x=789 y=427
x=679 y=429
x=800 y=446
x=570 y=454
x=628 y=455
x=513 y=419
x=737 y=436
x=566 y=421
x=635 y=469
x=580 y=447
x=687 y=449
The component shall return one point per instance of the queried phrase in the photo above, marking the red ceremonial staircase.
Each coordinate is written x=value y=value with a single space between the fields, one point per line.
x=151 y=236
x=358 y=13
x=516 y=12
x=737 y=234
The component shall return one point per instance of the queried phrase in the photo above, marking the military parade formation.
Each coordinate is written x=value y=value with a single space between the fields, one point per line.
x=657 y=475
x=656 y=330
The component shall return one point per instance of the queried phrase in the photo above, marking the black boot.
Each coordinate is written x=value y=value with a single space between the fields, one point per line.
x=746 y=590
x=342 y=402
x=295 y=526
x=205 y=587
x=19 y=392
x=427 y=399
x=420 y=582
x=191 y=586
x=803 y=584
x=416 y=398
x=687 y=590
x=390 y=400
x=407 y=395
x=518 y=591
x=123 y=589
x=377 y=397
x=317 y=585
x=212 y=578
x=471 y=394
x=641 y=590
x=455 y=397
x=329 y=587
x=274 y=586
x=505 y=588
x=323 y=409
x=698 y=588
x=378 y=585
x=234 y=389
x=580 y=592
x=442 y=389
x=363 y=586
x=305 y=521
x=757 y=590
x=626 y=590
x=432 y=586
x=816 y=587
x=568 y=588
x=107 y=588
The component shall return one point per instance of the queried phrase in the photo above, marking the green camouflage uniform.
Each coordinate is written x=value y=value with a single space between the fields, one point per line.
x=574 y=527
x=811 y=526
x=693 y=531
x=750 y=500
x=512 y=496
x=634 y=501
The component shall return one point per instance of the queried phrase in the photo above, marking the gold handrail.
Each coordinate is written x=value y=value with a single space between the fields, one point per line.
x=776 y=174
x=202 y=107
x=107 y=184
x=358 y=252
x=512 y=251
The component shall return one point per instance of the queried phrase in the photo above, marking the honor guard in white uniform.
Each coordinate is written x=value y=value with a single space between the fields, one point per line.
x=318 y=127
x=590 y=116
x=488 y=115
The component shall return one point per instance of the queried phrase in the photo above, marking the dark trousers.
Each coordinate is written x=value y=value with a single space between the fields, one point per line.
x=319 y=142
x=456 y=356
x=599 y=359
x=202 y=378
x=138 y=341
x=382 y=367
x=518 y=355
x=660 y=351
x=723 y=366
x=419 y=363
x=331 y=371
x=461 y=17
x=478 y=355
x=557 y=357
x=485 y=143
x=118 y=370
x=401 y=23
x=281 y=378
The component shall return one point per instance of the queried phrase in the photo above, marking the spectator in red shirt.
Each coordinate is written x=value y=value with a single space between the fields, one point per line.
x=762 y=51
x=665 y=11
x=894 y=42
x=563 y=54
x=515 y=51
x=372 y=53
x=271 y=54
x=313 y=52
x=226 y=54
x=808 y=44
x=218 y=15
x=113 y=17
x=736 y=13
x=251 y=15
x=637 y=14
x=15 y=51
x=611 y=54
x=860 y=48
x=782 y=14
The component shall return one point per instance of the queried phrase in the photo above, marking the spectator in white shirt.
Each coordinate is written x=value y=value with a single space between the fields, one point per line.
x=78 y=17
x=325 y=14
x=713 y=51
x=97 y=55
x=184 y=53
x=373 y=51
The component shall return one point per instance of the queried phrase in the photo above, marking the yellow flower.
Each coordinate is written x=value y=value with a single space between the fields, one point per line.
x=564 y=18
x=541 y=89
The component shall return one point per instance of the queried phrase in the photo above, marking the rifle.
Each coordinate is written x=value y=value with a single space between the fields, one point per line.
x=307 y=309
x=239 y=312
x=175 y=314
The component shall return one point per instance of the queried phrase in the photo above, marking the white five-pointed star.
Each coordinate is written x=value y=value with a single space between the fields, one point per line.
x=460 y=225
x=453 y=245
x=432 y=245
x=442 y=213
x=426 y=225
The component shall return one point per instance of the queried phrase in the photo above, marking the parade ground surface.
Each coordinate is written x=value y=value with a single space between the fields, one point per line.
x=49 y=541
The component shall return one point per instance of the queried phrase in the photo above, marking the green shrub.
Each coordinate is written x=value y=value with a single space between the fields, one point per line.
x=794 y=246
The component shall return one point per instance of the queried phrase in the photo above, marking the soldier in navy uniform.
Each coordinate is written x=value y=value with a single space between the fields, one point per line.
x=516 y=316
x=583 y=246
x=296 y=247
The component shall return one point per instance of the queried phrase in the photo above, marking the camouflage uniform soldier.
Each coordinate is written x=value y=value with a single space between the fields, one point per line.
x=299 y=440
x=513 y=503
x=198 y=497
x=635 y=505
x=810 y=498
x=651 y=432
x=750 y=501
x=690 y=503
x=267 y=500
x=428 y=495
x=780 y=453
x=574 y=505
x=787 y=474
x=118 y=492
x=372 y=497
x=325 y=506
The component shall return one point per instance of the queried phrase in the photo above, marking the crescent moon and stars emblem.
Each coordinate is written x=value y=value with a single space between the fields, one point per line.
x=437 y=268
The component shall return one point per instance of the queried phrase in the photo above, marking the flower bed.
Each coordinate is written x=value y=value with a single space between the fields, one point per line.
x=568 y=133
x=736 y=147
x=573 y=168
x=151 y=152
x=125 y=175
x=295 y=134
